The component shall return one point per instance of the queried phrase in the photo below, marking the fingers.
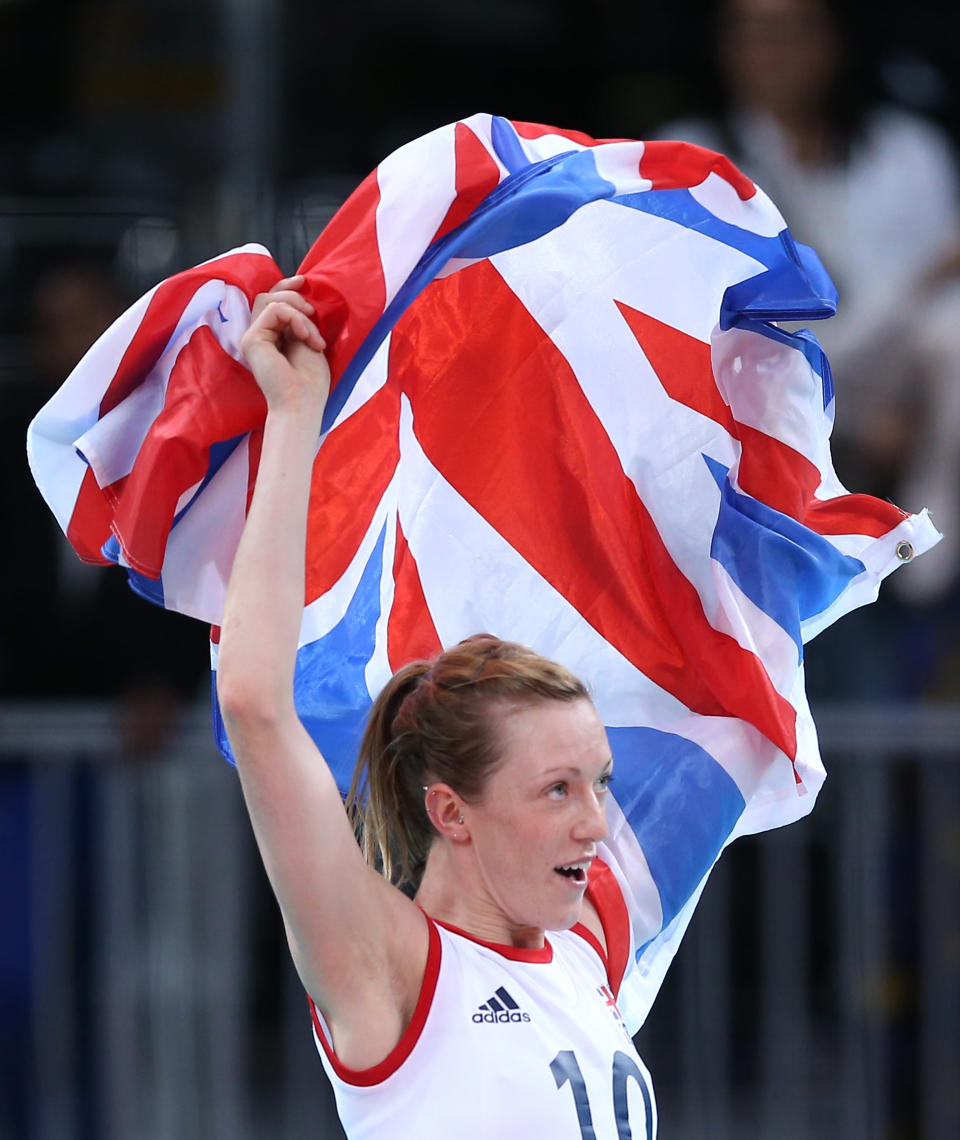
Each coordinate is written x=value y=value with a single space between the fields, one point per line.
x=279 y=318
x=283 y=329
x=286 y=290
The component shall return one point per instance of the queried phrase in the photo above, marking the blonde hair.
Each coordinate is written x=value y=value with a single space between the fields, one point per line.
x=434 y=722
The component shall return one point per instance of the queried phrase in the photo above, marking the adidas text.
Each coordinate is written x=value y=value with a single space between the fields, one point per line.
x=501 y=1016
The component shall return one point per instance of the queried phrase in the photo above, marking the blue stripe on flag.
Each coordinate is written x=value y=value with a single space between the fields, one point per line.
x=787 y=570
x=680 y=804
x=329 y=687
x=796 y=286
x=508 y=147
x=806 y=342
x=111 y=550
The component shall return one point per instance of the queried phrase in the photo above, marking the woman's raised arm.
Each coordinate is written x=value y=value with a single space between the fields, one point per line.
x=360 y=945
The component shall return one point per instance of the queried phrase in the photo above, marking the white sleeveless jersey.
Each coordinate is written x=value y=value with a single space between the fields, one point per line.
x=506 y=1042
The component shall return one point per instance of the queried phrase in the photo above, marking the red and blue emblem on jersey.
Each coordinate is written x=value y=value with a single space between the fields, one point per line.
x=611 y=1002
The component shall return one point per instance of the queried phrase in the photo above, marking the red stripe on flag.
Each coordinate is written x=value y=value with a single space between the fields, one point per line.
x=681 y=362
x=680 y=165
x=511 y=430
x=770 y=470
x=253 y=273
x=604 y=892
x=350 y=475
x=411 y=634
x=210 y=397
x=254 y=447
x=345 y=281
x=477 y=175
x=89 y=526
x=854 y=514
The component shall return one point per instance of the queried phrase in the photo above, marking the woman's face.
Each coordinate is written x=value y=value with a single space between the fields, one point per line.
x=535 y=832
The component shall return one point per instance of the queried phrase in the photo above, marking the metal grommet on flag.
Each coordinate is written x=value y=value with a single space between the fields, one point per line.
x=905 y=551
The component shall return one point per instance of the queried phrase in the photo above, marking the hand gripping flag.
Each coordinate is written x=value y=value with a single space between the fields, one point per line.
x=563 y=413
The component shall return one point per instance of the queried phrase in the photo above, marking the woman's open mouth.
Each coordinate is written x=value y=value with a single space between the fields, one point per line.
x=575 y=872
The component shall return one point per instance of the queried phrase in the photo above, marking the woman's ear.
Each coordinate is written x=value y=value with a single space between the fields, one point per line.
x=445 y=811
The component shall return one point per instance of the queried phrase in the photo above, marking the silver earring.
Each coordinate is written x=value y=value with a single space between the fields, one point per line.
x=460 y=820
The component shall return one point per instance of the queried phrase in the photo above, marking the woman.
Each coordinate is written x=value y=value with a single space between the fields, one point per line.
x=482 y=779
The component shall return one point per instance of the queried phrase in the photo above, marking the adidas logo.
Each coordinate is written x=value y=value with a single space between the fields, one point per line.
x=500 y=1008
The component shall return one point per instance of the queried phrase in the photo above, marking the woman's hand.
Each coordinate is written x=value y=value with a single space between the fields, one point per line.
x=285 y=350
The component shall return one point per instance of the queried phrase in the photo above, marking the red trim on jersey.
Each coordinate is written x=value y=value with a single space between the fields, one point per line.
x=411 y=1035
x=588 y=936
x=514 y=953
x=604 y=892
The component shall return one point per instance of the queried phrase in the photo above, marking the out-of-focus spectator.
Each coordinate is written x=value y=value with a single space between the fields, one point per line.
x=875 y=190
x=68 y=630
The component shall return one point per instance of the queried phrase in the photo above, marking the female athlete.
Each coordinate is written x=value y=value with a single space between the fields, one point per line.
x=485 y=1007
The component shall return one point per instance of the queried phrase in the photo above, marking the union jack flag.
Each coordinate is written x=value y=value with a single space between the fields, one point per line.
x=563 y=413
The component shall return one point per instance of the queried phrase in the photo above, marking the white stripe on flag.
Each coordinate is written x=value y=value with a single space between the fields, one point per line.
x=546 y=146
x=73 y=410
x=752 y=629
x=623 y=854
x=665 y=275
x=201 y=547
x=759 y=377
x=619 y=163
x=879 y=556
x=377 y=671
x=370 y=381
x=757 y=214
x=323 y=613
x=406 y=223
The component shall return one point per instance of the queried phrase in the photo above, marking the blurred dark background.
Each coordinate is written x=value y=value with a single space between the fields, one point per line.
x=143 y=985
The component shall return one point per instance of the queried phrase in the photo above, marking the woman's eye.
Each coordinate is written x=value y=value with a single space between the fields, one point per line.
x=557 y=790
x=605 y=781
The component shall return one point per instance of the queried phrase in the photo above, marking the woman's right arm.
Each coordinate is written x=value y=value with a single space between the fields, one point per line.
x=359 y=944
